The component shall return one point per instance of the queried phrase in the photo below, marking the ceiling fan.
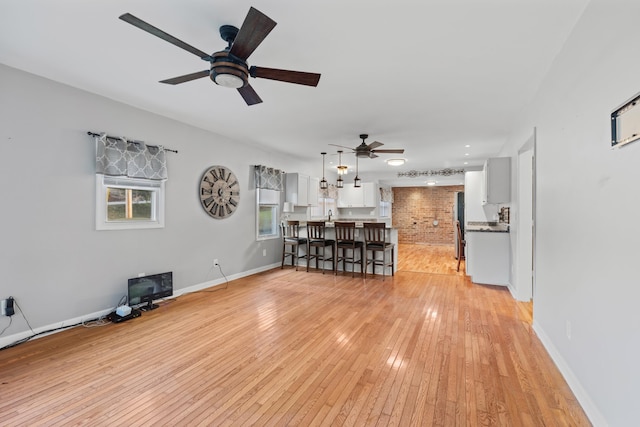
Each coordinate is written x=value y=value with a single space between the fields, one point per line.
x=229 y=67
x=364 y=150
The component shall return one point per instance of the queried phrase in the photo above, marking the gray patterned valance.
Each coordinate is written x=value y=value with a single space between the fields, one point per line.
x=386 y=194
x=133 y=159
x=268 y=178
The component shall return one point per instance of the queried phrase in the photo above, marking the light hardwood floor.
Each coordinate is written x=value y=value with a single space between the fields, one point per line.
x=288 y=348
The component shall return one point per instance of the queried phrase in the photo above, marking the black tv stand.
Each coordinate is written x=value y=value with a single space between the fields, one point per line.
x=150 y=306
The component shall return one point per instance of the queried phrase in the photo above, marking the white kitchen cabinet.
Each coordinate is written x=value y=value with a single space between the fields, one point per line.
x=301 y=190
x=370 y=199
x=357 y=197
x=474 y=209
x=496 y=186
x=314 y=191
x=487 y=257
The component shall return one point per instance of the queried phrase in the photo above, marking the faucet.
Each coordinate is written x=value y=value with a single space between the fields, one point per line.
x=330 y=213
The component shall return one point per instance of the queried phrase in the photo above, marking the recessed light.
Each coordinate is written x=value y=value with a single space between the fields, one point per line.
x=467 y=146
x=466 y=154
x=466 y=163
x=396 y=162
x=431 y=182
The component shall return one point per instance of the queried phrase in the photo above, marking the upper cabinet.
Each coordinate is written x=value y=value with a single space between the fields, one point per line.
x=314 y=191
x=357 y=197
x=496 y=186
x=301 y=190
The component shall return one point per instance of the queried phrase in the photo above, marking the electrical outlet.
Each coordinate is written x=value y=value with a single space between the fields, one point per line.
x=215 y=262
x=6 y=307
x=264 y=252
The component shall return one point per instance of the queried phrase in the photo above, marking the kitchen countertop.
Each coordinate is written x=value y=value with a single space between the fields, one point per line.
x=359 y=224
x=487 y=227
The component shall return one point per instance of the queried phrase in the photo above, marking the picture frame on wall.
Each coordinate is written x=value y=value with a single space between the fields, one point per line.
x=625 y=123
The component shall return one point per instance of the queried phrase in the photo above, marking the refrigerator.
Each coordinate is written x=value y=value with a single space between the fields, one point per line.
x=458 y=215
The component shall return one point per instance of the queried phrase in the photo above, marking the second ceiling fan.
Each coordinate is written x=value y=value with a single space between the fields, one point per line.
x=229 y=67
x=364 y=150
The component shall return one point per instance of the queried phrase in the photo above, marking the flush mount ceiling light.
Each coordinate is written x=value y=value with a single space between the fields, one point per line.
x=396 y=162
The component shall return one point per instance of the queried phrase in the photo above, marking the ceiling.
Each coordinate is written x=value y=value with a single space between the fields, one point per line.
x=443 y=79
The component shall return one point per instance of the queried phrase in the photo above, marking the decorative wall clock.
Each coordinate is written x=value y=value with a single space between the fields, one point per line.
x=219 y=192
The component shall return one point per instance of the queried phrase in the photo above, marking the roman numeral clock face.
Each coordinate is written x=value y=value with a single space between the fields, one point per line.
x=219 y=192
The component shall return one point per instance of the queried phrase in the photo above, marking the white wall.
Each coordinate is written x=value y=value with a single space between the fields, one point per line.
x=52 y=260
x=587 y=204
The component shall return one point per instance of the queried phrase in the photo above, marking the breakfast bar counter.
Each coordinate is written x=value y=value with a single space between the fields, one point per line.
x=392 y=235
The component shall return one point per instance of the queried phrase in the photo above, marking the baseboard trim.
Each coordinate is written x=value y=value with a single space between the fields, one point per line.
x=592 y=411
x=55 y=327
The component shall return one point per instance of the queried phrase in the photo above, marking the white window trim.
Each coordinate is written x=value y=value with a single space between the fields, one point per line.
x=276 y=215
x=102 y=182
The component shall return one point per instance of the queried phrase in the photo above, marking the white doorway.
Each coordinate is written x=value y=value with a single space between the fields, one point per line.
x=525 y=254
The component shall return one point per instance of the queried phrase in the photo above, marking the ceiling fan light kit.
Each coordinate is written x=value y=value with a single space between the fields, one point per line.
x=364 y=150
x=229 y=67
x=371 y=151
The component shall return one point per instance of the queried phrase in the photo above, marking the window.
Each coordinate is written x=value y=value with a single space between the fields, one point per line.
x=325 y=204
x=128 y=203
x=385 y=209
x=268 y=211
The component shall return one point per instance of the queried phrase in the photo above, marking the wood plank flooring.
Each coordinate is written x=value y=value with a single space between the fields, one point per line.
x=287 y=348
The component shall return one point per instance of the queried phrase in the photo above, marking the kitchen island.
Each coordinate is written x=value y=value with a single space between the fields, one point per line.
x=392 y=234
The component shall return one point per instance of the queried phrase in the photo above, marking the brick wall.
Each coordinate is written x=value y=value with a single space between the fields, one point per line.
x=415 y=209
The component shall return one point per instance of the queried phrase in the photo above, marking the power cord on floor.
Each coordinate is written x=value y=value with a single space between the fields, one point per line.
x=98 y=321
x=92 y=323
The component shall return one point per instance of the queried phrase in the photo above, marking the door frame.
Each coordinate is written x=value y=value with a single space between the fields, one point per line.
x=526 y=208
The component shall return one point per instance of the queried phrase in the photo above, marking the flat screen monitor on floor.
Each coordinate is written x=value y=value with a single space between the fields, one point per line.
x=147 y=288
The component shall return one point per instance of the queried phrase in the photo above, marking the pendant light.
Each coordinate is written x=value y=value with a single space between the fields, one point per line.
x=342 y=169
x=340 y=182
x=356 y=181
x=323 y=184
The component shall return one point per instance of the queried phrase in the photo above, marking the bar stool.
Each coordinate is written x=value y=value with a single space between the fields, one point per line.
x=316 y=239
x=291 y=242
x=375 y=241
x=461 y=245
x=345 y=242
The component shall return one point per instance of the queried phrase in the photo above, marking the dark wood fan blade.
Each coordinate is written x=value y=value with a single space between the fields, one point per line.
x=137 y=22
x=389 y=151
x=342 y=146
x=297 y=77
x=186 y=78
x=254 y=29
x=249 y=95
x=375 y=144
